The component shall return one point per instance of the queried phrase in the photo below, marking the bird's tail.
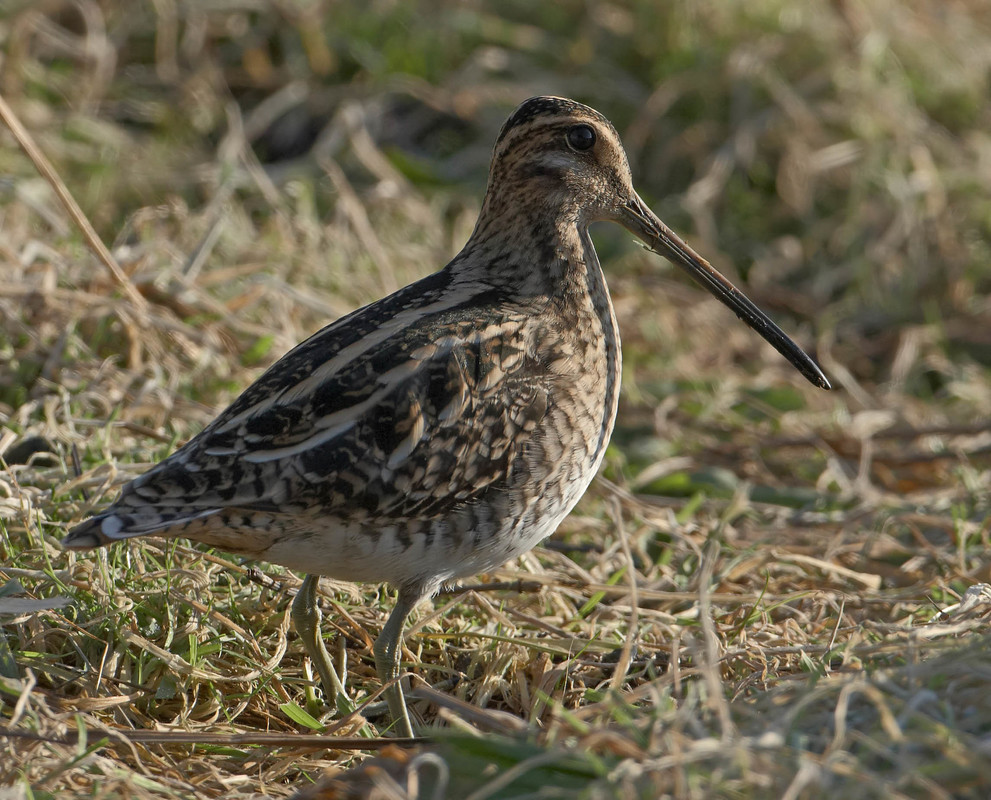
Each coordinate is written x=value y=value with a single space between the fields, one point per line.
x=114 y=524
x=86 y=535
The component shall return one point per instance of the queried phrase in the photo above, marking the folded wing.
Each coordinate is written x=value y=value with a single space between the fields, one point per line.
x=374 y=428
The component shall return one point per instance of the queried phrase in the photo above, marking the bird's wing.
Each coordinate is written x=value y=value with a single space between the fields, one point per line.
x=394 y=411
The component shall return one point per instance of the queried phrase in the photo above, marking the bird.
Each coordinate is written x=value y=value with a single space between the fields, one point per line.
x=447 y=428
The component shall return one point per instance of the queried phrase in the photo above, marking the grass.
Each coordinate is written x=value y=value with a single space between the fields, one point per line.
x=746 y=604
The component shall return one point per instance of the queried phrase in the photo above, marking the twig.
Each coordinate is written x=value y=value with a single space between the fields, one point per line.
x=632 y=625
x=44 y=166
x=261 y=738
x=709 y=652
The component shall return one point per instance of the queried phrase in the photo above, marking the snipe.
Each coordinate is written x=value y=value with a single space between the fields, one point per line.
x=449 y=427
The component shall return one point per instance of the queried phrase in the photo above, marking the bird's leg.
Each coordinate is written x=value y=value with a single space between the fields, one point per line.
x=387 y=650
x=306 y=618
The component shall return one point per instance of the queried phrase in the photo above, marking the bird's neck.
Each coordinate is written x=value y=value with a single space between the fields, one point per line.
x=531 y=252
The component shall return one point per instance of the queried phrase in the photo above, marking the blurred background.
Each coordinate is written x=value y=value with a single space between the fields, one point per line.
x=832 y=155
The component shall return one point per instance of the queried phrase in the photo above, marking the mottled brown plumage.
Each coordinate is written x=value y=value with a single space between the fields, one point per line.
x=449 y=427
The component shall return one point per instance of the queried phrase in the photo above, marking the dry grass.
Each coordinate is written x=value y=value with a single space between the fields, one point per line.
x=745 y=605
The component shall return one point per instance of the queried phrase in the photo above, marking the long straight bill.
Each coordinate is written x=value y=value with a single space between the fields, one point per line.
x=642 y=222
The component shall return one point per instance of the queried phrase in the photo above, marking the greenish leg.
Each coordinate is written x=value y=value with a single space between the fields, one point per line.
x=387 y=650
x=306 y=618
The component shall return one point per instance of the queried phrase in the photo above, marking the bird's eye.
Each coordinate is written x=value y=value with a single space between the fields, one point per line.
x=581 y=137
